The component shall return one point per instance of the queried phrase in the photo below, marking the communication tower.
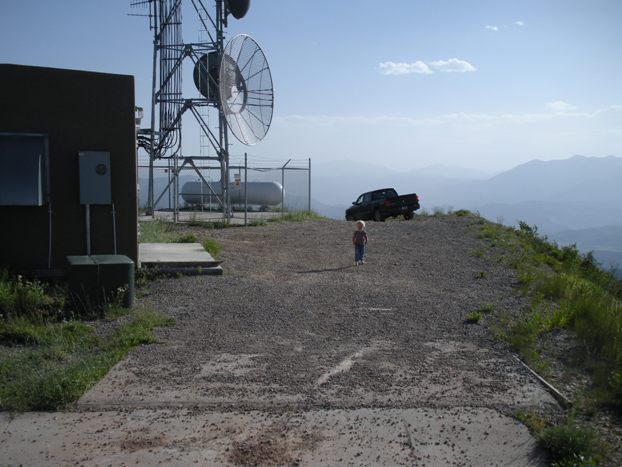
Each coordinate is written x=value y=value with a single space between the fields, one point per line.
x=232 y=78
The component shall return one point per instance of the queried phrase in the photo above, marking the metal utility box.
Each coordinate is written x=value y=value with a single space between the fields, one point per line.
x=100 y=279
x=116 y=276
x=83 y=283
x=24 y=173
x=95 y=177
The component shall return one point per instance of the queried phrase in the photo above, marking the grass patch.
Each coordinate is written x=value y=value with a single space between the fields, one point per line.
x=257 y=222
x=568 y=443
x=569 y=291
x=186 y=238
x=156 y=231
x=159 y=231
x=31 y=299
x=212 y=247
x=295 y=216
x=571 y=445
x=473 y=318
x=463 y=213
x=44 y=366
x=532 y=420
x=476 y=316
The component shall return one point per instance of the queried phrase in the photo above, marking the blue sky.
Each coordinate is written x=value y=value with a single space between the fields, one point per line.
x=479 y=84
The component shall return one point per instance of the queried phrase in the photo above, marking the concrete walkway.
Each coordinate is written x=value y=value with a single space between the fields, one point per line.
x=186 y=436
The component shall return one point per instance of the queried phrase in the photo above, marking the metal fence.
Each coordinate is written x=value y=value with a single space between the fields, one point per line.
x=202 y=202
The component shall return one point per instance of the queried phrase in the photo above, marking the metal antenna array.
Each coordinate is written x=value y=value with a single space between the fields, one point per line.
x=163 y=140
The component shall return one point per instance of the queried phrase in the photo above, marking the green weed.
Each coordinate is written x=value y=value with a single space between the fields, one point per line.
x=194 y=221
x=570 y=445
x=474 y=317
x=156 y=231
x=532 y=420
x=212 y=247
x=159 y=231
x=186 y=238
x=29 y=298
x=478 y=252
x=46 y=366
x=295 y=216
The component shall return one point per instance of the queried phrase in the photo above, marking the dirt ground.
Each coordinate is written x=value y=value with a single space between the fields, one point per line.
x=297 y=356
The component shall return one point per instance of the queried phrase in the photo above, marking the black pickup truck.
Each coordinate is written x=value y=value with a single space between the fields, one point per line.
x=383 y=203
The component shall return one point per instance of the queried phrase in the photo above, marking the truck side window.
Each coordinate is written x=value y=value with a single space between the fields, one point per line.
x=359 y=200
x=367 y=198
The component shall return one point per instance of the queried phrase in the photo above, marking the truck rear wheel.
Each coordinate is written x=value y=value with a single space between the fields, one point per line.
x=408 y=216
x=377 y=216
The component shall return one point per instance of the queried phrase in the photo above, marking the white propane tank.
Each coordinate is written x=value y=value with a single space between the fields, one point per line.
x=258 y=193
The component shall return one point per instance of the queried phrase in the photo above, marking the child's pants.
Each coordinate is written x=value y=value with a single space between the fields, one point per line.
x=359 y=252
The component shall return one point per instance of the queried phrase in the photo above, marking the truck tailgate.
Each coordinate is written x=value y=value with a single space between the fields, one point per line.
x=404 y=200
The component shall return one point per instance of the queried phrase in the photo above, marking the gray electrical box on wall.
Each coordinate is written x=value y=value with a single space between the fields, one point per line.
x=95 y=177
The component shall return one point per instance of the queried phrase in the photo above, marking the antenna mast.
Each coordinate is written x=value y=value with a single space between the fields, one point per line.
x=169 y=104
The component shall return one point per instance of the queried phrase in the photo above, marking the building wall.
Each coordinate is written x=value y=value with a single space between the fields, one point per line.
x=79 y=111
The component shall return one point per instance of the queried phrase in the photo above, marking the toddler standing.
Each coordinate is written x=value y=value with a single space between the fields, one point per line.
x=359 y=239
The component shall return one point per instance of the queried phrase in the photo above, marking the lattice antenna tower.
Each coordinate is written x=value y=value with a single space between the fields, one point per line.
x=233 y=78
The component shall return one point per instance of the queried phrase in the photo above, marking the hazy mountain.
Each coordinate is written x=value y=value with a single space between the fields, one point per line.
x=608 y=237
x=447 y=171
x=575 y=180
x=553 y=217
x=610 y=260
x=604 y=242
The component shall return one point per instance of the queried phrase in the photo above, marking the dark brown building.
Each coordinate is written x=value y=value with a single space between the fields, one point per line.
x=67 y=139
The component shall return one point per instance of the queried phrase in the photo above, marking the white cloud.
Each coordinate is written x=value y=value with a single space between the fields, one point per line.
x=453 y=65
x=492 y=27
x=519 y=23
x=402 y=68
x=459 y=118
x=559 y=106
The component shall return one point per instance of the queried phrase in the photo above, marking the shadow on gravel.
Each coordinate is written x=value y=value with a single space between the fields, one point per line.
x=316 y=271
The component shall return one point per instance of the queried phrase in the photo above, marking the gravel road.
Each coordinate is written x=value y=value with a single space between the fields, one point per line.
x=294 y=337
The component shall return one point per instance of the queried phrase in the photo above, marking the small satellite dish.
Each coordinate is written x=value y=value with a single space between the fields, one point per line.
x=246 y=93
x=238 y=8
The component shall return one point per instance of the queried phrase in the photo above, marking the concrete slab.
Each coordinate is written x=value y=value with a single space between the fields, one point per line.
x=176 y=257
x=416 y=436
